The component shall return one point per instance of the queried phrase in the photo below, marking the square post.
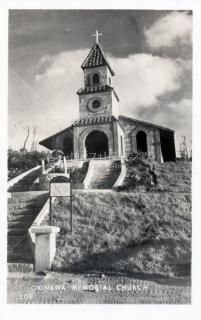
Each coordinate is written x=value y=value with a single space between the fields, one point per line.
x=45 y=246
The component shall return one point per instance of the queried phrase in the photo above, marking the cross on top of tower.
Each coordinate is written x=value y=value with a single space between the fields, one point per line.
x=97 y=35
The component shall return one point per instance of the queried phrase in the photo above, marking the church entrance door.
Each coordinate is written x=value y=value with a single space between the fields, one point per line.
x=96 y=144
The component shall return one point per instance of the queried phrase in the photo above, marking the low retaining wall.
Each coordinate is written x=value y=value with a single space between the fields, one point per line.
x=44 y=179
x=21 y=176
x=74 y=163
x=40 y=218
x=89 y=174
x=122 y=175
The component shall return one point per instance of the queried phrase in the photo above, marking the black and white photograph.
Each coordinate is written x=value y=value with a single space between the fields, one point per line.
x=99 y=156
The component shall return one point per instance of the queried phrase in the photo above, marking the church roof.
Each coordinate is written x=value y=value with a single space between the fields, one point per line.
x=92 y=89
x=144 y=123
x=96 y=58
x=47 y=142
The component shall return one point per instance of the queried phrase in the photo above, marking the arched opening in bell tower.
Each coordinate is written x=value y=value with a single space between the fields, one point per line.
x=96 y=78
x=96 y=144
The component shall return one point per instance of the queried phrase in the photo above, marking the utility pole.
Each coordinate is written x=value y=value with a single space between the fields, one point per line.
x=184 y=149
x=24 y=147
x=33 y=145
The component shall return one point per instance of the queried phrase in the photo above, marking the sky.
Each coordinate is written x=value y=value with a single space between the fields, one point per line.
x=149 y=50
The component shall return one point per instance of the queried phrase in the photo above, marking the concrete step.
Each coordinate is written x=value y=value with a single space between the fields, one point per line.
x=21 y=217
x=105 y=174
x=19 y=249
x=20 y=257
x=17 y=231
x=20 y=267
x=23 y=207
x=20 y=224
x=27 y=196
x=11 y=240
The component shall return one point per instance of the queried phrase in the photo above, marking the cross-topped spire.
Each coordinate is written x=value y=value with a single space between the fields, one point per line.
x=97 y=35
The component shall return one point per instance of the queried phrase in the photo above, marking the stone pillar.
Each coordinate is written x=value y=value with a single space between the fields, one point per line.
x=134 y=142
x=45 y=246
x=65 y=166
x=149 y=143
x=76 y=150
x=152 y=145
x=115 y=139
x=43 y=166
x=158 y=146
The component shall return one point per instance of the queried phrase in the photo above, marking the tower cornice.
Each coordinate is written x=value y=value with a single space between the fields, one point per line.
x=94 y=89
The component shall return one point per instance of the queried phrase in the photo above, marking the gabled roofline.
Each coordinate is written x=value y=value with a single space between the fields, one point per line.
x=55 y=134
x=147 y=123
x=116 y=96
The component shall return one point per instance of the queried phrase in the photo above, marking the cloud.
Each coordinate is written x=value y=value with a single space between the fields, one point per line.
x=143 y=78
x=52 y=67
x=168 y=30
x=176 y=113
x=178 y=116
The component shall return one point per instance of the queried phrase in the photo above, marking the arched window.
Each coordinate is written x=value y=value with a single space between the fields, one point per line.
x=96 y=79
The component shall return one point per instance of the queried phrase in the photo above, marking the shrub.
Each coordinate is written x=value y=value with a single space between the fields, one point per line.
x=19 y=161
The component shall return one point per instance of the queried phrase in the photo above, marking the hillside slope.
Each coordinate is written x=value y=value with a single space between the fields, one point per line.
x=147 y=233
x=145 y=228
x=144 y=175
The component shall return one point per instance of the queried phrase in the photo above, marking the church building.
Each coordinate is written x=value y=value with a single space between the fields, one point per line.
x=100 y=130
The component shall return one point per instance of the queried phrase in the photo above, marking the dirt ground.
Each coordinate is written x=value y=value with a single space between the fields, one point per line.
x=66 y=288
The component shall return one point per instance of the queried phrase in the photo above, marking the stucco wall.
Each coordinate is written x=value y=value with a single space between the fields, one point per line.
x=111 y=130
x=103 y=72
x=131 y=128
x=109 y=105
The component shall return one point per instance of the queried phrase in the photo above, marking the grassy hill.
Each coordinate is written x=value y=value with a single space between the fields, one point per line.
x=144 y=175
x=128 y=231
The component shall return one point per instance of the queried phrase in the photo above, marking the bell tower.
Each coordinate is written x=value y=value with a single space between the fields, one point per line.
x=97 y=98
x=98 y=132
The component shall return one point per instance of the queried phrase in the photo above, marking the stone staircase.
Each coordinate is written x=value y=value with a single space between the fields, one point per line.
x=105 y=174
x=23 y=207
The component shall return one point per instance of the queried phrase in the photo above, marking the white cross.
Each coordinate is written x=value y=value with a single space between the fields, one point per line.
x=96 y=35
